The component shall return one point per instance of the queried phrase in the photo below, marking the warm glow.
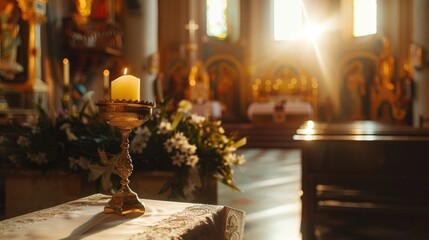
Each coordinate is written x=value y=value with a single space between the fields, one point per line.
x=192 y=76
x=312 y=32
x=66 y=72
x=288 y=24
x=364 y=17
x=125 y=71
x=106 y=78
x=309 y=129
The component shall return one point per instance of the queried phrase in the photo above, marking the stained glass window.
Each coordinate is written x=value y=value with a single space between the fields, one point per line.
x=217 y=18
x=364 y=17
x=288 y=21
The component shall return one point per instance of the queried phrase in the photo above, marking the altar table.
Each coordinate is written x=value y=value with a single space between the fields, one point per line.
x=84 y=219
x=293 y=111
x=208 y=109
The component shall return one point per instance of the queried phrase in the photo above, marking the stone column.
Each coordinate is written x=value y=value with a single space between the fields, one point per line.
x=421 y=76
x=140 y=24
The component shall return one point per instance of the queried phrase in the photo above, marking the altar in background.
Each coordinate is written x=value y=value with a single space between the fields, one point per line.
x=208 y=109
x=285 y=94
x=21 y=82
x=282 y=112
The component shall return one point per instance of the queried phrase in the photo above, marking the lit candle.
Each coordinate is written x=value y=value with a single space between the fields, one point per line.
x=125 y=87
x=66 y=72
x=106 y=82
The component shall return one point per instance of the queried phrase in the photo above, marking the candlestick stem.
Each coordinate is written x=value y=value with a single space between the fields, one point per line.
x=125 y=166
x=125 y=200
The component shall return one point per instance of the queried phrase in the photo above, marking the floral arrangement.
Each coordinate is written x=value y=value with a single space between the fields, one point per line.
x=191 y=146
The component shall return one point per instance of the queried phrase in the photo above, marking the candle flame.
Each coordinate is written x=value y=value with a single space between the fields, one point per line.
x=125 y=71
x=106 y=72
x=65 y=61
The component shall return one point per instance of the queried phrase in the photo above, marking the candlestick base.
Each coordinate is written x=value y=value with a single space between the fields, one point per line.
x=125 y=115
x=125 y=202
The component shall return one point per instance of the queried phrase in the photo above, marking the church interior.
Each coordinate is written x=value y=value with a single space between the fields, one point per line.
x=313 y=115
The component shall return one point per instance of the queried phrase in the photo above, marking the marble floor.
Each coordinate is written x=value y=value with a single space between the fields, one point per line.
x=270 y=181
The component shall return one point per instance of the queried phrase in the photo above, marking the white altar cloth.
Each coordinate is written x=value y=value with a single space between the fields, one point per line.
x=290 y=108
x=208 y=109
x=84 y=219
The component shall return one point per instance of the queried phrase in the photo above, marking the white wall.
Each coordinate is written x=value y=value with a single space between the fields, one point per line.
x=421 y=77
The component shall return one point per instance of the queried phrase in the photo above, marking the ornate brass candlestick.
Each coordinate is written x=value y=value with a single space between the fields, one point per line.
x=125 y=115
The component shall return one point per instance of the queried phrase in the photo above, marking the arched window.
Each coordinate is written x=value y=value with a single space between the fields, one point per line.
x=223 y=19
x=364 y=17
x=217 y=18
x=288 y=19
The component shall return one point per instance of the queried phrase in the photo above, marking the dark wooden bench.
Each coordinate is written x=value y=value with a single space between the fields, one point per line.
x=364 y=180
x=272 y=135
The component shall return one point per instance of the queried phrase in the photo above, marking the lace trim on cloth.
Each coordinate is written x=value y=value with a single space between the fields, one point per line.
x=198 y=222
x=16 y=223
x=234 y=225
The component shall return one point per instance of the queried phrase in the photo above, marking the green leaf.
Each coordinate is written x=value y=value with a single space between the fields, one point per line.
x=166 y=186
x=106 y=184
x=240 y=143
x=176 y=120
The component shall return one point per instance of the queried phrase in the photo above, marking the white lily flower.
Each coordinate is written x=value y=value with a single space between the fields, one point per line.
x=197 y=120
x=164 y=127
x=31 y=122
x=70 y=135
x=23 y=141
x=169 y=145
x=229 y=158
x=138 y=143
x=39 y=158
x=192 y=160
x=240 y=160
x=178 y=160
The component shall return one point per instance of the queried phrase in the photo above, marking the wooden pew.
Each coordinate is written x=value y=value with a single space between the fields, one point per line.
x=270 y=135
x=364 y=180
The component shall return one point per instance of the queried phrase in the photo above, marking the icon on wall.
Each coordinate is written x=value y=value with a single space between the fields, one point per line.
x=417 y=56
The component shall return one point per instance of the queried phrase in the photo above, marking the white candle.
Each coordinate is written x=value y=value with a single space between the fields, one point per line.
x=66 y=72
x=125 y=87
x=106 y=81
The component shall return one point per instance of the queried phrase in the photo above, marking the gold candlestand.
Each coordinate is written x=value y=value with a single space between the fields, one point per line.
x=67 y=97
x=125 y=115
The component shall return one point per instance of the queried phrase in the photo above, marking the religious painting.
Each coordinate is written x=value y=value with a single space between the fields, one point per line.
x=177 y=78
x=225 y=75
x=357 y=75
x=416 y=56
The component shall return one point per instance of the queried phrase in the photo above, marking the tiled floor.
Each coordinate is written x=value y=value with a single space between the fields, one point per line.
x=270 y=180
